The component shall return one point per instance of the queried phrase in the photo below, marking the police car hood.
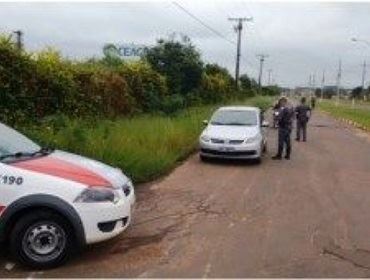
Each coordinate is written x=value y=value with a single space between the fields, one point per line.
x=75 y=168
x=232 y=132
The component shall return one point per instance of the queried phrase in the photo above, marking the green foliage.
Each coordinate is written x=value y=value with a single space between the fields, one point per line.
x=245 y=82
x=262 y=102
x=172 y=104
x=179 y=62
x=270 y=91
x=148 y=86
x=215 y=87
x=169 y=78
x=356 y=92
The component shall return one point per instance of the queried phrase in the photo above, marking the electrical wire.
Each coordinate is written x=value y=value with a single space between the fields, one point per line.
x=203 y=23
x=219 y=34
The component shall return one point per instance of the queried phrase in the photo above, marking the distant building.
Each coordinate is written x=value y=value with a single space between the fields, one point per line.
x=330 y=91
x=303 y=91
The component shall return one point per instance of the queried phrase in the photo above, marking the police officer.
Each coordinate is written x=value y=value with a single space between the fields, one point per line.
x=313 y=102
x=285 y=129
x=303 y=114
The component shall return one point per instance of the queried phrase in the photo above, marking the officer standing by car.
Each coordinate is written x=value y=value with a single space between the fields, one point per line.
x=313 y=102
x=285 y=129
x=303 y=114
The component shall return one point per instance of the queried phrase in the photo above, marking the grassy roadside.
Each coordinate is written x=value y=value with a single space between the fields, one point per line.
x=360 y=116
x=145 y=146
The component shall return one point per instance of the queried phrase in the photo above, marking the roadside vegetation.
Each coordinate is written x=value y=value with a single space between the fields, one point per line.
x=358 y=115
x=144 y=146
x=142 y=116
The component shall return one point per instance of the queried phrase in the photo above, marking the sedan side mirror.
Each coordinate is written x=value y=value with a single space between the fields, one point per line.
x=205 y=122
x=265 y=124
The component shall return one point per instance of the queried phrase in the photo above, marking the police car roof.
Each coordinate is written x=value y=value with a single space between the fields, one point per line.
x=238 y=108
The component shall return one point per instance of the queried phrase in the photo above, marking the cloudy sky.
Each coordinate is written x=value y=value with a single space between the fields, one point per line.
x=300 y=38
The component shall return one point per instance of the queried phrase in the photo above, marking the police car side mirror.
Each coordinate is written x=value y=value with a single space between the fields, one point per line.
x=205 y=122
x=265 y=124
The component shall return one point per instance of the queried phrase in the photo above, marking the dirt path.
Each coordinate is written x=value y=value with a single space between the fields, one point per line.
x=307 y=217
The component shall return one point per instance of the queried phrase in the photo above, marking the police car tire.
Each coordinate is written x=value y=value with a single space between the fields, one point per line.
x=258 y=160
x=29 y=221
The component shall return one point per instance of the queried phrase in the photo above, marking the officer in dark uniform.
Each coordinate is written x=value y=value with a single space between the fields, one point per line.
x=313 y=102
x=303 y=114
x=285 y=129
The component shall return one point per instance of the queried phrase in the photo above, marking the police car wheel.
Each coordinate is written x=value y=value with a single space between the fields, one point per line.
x=41 y=239
x=258 y=160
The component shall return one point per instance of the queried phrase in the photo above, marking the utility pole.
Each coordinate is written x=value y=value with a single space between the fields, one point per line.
x=309 y=84
x=238 y=28
x=339 y=77
x=270 y=76
x=322 y=84
x=19 y=34
x=262 y=60
x=363 y=78
x=313 y=89
x=363 y=74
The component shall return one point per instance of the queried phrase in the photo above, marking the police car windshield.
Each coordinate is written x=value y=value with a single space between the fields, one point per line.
x=14 y=143
x=234 y=117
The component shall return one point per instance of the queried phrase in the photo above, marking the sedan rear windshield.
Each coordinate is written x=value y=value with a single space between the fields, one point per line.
x=234 y=117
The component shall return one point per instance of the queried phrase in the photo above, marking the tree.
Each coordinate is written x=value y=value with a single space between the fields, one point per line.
x=111 y=56
x=271 y=90
x=178 y=61
x=245 y=82
x=213 y=69
x=356 y=92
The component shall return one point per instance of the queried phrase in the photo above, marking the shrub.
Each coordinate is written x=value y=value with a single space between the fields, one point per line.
x=172 y=104
x=148 y=86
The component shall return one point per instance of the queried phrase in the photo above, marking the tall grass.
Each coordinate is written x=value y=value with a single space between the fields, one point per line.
x=144 y=146
x=360 y=115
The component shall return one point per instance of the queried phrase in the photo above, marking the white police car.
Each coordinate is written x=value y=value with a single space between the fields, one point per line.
x=52 y=202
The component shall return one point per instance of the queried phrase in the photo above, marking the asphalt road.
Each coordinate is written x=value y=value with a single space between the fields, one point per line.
x=307 y=217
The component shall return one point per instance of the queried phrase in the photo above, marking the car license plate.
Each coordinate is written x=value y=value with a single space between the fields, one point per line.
x=227 y=149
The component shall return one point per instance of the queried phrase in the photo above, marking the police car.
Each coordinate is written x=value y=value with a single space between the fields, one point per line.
x=53 y=202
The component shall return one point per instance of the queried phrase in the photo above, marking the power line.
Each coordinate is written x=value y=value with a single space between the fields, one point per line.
x=219 y=34
x=203 y=23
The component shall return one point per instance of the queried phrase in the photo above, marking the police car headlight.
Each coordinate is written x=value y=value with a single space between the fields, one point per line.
x=97 y=194
x=205 y=138
x=252 y=139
